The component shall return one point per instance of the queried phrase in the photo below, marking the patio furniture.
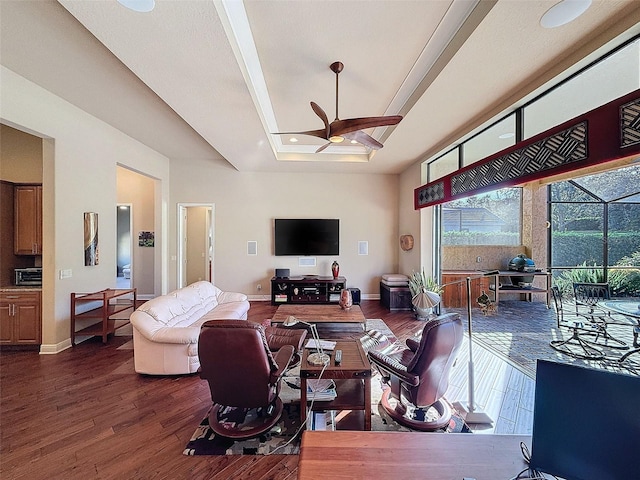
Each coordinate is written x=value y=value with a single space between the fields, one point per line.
x=588 y=300
x=581 y=326
x=630 y=310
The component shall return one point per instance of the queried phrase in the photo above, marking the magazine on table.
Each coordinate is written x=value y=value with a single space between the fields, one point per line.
x=324 y=344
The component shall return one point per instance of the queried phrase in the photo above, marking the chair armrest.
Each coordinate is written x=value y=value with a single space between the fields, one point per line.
x=282 y=358
x=226 y=297
x=413 y=344
x=394 y=367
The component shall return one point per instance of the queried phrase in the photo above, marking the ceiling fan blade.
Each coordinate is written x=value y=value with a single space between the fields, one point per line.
x=323 y=147
x=340 y=127
x=313 y=133
x=323 y=116
x=363 y=138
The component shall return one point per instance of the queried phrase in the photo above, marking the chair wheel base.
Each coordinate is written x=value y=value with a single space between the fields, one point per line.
x=255 y=421
x=415 y=418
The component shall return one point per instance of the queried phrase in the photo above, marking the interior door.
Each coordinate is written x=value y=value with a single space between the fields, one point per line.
x=195 y=249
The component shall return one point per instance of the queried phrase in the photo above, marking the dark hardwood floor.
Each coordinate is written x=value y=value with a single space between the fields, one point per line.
x=85 y=413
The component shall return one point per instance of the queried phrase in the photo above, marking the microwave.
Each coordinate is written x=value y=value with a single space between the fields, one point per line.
x=28 y=277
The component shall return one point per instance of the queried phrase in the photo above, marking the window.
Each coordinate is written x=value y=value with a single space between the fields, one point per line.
x=486 y=219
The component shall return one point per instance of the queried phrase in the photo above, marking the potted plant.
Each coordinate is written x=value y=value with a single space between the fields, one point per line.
x=425 y=293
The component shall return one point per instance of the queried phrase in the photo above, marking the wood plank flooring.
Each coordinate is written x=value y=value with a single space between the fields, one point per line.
x=85 y=413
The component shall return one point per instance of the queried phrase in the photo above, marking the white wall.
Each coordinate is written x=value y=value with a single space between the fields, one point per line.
x=247 y=203
x=80 y=158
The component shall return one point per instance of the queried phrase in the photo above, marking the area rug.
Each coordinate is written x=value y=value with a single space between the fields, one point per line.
x=280 y=440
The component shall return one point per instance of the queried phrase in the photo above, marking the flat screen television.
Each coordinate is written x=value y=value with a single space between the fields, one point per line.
x=586 y=423
x=307 y=236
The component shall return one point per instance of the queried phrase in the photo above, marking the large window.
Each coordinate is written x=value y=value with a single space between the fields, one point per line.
x=595 y=229
x=485 y=219
x=611 y=77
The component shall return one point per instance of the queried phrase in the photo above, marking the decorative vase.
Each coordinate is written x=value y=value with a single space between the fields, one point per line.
x=335 y=269
x=346 y=300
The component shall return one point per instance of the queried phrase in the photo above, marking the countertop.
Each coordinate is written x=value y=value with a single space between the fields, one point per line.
x=21 y=288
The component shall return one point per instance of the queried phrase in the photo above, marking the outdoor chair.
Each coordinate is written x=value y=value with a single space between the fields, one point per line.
x=582 y=328
x=420 y=374
x=244 y=377
x=588 y=303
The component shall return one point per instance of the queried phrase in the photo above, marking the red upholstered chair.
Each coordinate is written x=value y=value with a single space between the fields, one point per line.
x=419 y=374
x=244 y=377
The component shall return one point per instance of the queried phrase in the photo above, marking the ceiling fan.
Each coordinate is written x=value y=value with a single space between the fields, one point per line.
x=351 y=128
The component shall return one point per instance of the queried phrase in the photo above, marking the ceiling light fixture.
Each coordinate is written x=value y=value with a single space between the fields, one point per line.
x=293 y=140
x=564 y=12
x=336 y=139
x=138 y=5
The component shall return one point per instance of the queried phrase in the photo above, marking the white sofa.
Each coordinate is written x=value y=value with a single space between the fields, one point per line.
x=166 y=329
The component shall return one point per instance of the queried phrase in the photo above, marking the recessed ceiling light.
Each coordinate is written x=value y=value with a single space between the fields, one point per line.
x=507 y=135
x=138 y=5
x=564 y=12
x=354 y=141
x=293 y=139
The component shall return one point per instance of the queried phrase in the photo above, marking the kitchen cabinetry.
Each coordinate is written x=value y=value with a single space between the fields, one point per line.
x=111 y=307
x=28 y=220
x=20 y=319
x=454 y=283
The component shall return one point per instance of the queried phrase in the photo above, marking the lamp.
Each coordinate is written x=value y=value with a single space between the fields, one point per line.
x=470 y=411
x=424 y=301
x=316 y=358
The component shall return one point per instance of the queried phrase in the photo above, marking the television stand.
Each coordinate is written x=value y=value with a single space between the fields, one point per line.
x=306 y=289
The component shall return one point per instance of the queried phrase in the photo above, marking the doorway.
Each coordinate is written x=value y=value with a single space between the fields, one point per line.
x=124 y=246
x=195 y=243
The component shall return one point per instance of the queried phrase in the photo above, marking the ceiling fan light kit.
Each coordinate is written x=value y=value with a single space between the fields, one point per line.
x=351 y=128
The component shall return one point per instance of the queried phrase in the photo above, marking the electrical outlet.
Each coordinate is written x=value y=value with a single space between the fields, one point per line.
x=258 y=287
x=478 y=259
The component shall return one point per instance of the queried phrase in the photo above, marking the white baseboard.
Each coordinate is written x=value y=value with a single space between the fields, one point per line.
x=52 y=349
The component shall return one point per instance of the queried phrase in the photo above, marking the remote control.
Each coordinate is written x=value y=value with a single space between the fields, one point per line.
x=338 y=357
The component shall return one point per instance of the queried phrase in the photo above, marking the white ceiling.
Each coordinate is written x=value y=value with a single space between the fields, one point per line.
x=196 y=77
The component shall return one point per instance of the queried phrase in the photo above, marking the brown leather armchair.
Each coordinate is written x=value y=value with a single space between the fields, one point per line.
x=277 y=337
x=244 y=377
x=419 y=374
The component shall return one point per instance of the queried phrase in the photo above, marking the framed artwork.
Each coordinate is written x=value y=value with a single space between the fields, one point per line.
x=145 y=239
x=91 y=256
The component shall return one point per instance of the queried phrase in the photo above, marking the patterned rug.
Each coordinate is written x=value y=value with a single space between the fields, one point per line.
x=284 y=438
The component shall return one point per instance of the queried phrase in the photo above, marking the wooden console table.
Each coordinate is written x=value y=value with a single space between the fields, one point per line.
x=409 y=455
x=102 y=306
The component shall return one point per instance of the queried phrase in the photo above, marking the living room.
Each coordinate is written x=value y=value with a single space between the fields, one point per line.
x=82 y=151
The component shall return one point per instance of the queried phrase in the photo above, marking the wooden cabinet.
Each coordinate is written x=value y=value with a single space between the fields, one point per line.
x=395 y=297
x=20 y=319
x=309 y=289
x=454 y=294
x=101 y=313
x=28 y=220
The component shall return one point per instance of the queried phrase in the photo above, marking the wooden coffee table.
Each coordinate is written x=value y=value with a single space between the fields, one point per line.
x=325 y=317
x=352 y=378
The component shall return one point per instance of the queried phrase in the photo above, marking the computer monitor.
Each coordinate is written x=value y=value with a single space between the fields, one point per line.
x=586 y=423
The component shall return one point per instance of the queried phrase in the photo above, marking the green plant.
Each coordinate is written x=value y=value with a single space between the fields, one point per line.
x=580 y=275
x=419 y=281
